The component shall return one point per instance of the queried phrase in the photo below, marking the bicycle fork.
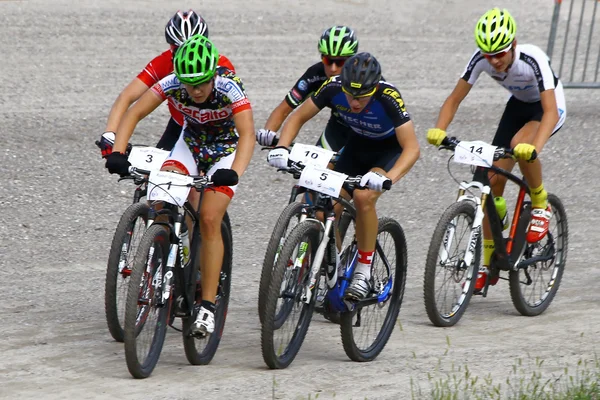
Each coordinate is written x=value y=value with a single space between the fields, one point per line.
x=317 y=261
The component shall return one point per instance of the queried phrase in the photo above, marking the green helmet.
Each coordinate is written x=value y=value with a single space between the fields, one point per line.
x=338 y=41
x=495 y=30
x=195 y=62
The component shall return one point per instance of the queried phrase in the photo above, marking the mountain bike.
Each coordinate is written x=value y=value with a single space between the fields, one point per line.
x=300 y=207
x=534 y=270
x=162 y=287
x=309 y=252
x=127 y=235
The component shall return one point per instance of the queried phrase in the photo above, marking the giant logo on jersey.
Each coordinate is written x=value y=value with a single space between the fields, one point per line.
x=396 y=96
x=231 y=89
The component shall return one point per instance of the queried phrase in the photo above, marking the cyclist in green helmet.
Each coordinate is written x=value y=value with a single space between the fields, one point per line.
x=336 y=45
x=535 y=111
x=217 y=139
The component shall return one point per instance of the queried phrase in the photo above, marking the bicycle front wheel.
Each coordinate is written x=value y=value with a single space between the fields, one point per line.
x=126 y=239
x=449 y=281
x=145 y=312
x=532 y=288
x=287 y=314
x=201 y=350
x=366 y=330
x=288 y=219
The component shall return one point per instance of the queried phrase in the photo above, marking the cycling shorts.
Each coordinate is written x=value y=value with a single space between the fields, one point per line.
x=362 y=154
x=335 y=135
x=170 y=136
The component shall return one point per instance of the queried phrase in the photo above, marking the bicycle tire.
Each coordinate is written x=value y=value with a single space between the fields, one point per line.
x=113 y=286
x=560 y=242
x=201 y=351
x=156 y=237
x=394 y=299
x=455 y=313
x=275 y=357
x=292 y=210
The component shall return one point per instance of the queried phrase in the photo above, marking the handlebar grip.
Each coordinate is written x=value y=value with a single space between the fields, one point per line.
x=387 y=185
x=533 y=155
x=446 y=141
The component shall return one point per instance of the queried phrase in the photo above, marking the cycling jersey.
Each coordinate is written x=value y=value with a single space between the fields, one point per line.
x=161 y=66
x=208 y=129
x=529 y=74
x=378 y=120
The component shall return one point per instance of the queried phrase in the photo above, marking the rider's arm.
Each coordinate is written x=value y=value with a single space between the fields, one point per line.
x=450 y=106
x=292 y=126
x=279 y=114
x=144 y=106
x=407 y=138
x=549 y=119
x=244 y=124
x=128 y=96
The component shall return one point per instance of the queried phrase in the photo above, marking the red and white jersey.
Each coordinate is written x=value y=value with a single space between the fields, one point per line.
x=161 y=66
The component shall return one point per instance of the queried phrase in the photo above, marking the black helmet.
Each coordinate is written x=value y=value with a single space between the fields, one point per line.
x=183 y=26
x=361 y=74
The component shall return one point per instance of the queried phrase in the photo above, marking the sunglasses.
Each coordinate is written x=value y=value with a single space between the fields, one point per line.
x=370 y=93
x=498 y=54
x=339 y=61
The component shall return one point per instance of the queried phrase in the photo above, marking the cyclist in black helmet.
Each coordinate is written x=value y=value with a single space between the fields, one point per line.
x=336 y=45
x=382 y=145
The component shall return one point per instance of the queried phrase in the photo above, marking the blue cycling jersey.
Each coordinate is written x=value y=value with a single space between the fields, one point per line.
x=377 y=121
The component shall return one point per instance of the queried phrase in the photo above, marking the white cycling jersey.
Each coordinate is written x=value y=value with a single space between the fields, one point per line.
x=528 y=76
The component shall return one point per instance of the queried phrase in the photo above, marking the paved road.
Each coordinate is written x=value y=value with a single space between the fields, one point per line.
x=64 y=63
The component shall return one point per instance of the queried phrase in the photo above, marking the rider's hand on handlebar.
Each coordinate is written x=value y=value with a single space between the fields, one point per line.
x=525 y=151
x=278 y=157
x=373 y=181
x=117 y=163
x=435 y=136
x=265 y=137
x=224 y=177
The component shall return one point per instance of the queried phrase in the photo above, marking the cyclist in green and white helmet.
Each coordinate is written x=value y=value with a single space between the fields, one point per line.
x=217 y=139
x=336 y=45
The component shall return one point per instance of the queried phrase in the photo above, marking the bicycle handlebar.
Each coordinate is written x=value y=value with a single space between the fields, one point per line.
x=351 y=182
x=200 y=181
x=450 y=143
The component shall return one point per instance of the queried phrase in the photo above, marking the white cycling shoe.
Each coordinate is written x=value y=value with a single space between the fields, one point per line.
x=204 y=324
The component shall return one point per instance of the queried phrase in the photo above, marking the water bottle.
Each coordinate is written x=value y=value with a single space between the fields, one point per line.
x=500 y=203
x=185 y=245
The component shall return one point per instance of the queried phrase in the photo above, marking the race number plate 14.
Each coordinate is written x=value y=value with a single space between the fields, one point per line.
x=148 y=158
x=322 y=180
x=311 y=155
x=169 y=186
x=474 y=153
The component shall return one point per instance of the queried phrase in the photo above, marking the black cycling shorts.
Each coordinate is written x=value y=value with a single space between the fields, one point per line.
x=516 y=114
x=362 y=154
x=170 y=136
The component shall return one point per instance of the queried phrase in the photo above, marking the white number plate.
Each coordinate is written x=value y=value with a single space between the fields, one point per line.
x=148 y=158
x=311 y=155
x=474 y=153
x=322 y=180
x=169 y=186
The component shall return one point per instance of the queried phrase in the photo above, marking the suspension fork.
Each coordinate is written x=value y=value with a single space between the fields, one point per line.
x=318 y=259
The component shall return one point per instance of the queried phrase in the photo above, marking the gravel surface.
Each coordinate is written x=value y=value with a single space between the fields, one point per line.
x=64 y=62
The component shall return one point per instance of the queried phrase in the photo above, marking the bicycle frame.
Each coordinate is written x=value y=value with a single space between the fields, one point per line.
x=507 y=251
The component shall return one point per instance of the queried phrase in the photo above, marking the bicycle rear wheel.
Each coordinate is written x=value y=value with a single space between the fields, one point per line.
x=379 y=317
x=449 y=282
x=126 y=239
x=200 y=351
x=533 y=288
x=145 y=313
x=287 y=315
x=288 y=219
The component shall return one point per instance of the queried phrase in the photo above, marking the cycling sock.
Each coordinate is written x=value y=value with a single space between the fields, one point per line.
x=210 y=306
x=539 y=197
x=488 y=250
x=364 y=262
